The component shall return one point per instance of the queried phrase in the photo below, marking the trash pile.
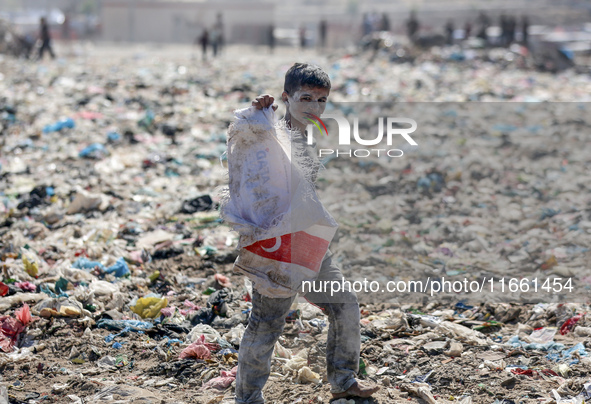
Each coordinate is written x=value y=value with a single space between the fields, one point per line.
x=117 y=280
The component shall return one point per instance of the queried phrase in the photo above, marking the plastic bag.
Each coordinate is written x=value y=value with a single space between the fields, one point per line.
x=199 y=349
x=149 y=307
x=211 y=334
x=306 y=375
x=272 y=203
x=223 y=381
x=58 y=307
x=10 y=327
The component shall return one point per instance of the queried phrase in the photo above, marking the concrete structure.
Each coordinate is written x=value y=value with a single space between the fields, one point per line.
x=182 y=21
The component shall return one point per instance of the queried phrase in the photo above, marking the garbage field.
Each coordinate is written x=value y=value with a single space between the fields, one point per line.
x=117 y=283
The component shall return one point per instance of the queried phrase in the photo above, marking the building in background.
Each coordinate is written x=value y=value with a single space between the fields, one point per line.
x=182 y=21
x=248 y=21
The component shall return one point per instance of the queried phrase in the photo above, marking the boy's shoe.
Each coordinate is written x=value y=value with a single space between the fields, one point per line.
x=357 y=390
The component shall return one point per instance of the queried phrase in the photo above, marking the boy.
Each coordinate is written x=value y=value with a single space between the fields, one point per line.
x=306 y=90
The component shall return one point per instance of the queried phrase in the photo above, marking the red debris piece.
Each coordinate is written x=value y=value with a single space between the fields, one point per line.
x=199 y=349
x=570 y=324
x=10 y=328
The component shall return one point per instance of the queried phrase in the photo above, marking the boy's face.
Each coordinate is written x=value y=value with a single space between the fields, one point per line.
x=306 y=100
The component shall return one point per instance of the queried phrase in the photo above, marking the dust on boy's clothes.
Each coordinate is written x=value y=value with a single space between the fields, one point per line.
x=306 y=91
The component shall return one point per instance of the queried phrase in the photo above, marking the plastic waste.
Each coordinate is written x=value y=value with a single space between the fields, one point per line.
x=570 y=324
x=200 y=349
x=421 y=390
x=20 y=298
x=85 y=263
x=297 y=361
x=118 y=325
x=234 y=336
x=11 y=327
x=306 y=375
x=454 y=349
x=223 y=381
x=28 y=286
x=149 y=307
x=117 y=392
x=103 y=288
x=95 y=151
x=67 y=123
x=281 y=351
x=59 y=307
x=211 y=334
x=199 y=204
x=3 y=395
x=31 y=265
x=461 y=333
x=86 y=202
x=3 y=289
x=583 y=331
x=548 y=346
x=281 y=232
x=119 y=268
x=543 y=335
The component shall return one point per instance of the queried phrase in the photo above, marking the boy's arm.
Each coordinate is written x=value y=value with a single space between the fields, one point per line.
x=264 y=101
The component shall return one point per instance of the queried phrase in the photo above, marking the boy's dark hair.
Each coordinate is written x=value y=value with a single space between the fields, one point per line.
x=304 y=74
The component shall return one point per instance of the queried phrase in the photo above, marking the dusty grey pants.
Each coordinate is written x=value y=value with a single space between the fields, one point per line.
x=266 y=323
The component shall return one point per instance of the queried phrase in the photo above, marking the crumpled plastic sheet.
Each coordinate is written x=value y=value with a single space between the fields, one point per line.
x=118 y=325
x=12 y=327
x=568 y=354
x=149 y=307
x=223 y=381
x=58 y=307
x=119 y=268
x=199 y=349
x=28 y=286
x=515 y=342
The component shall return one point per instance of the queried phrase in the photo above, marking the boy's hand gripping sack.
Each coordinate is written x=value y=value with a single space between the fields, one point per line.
x=272 y=203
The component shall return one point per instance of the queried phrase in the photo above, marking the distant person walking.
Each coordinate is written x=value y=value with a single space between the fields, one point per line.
x=218 y=28
x=322 y=33
x=467 y=30
x=524 y=29
x=504 y=24
x=215 y=41
x=366 y=25
x=271 y=38
x=511 y=29
x=302 y=36
x=204 y=41
x=385 y=23
x=484 y=24
x=45 y=39
x=449 y=32
x=412 y=26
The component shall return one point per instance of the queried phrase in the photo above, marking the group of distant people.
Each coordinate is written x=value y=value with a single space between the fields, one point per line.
x=375 y=22
x=302 y=35
x=213 y=38
x=508 y=24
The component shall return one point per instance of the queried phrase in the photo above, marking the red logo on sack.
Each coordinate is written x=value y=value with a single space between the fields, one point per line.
x=298 y=248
